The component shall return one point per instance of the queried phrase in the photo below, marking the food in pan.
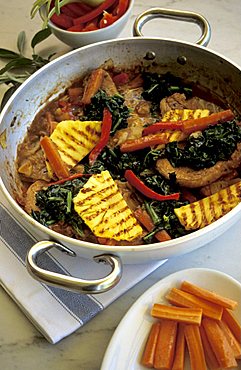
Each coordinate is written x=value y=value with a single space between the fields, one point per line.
x=130 y=157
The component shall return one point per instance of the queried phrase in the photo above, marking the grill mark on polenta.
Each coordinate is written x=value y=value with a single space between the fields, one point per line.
x=99 y=211
x=91 y=131
x=112 y=186
x=194 y=221
x=203 y=212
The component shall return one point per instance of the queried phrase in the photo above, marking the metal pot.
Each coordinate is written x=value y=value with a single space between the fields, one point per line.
x=190 y=61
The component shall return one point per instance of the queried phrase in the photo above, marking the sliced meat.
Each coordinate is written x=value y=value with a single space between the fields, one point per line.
x=108 y=85
x=175 y=101
x=140 y=109
x=128 y=194
x=129 y=133
x=190 y=178
x=216 y=186
x=30 y=201
x=179 y=101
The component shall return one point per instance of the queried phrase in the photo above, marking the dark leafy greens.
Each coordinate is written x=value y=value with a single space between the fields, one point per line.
x=164 y=218
x=216 y=143
x=55 y=203
x=116 y=106
x=157 y=87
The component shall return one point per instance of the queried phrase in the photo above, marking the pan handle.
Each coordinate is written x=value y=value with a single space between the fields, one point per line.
x=69 y=282
x=179 y=15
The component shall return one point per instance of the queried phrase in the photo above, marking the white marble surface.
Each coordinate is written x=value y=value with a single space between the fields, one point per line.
x=21 y=345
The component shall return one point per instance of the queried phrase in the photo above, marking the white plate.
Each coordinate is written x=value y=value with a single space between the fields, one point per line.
x=126 y=346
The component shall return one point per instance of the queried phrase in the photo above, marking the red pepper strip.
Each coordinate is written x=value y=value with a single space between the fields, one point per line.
x=94 y=13
x=144 y=142
x=91 y=26
x=79 y=8
x=107 y=19
x=121 y=79
x=105 y=134
x=76 y=28
x=202 y=123
x=65 y=10
x=72 y=177
x=158 y=126
x=122 y=7
x=62 y=21
x=145 y=190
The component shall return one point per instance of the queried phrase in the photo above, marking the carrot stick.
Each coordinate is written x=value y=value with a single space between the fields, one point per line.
x=180 y=314
x=202 y=123
x=208 y=295
x=165 y=347
x=144 y=142
x=147 y=359
x=234 y=344
x=233 y=324
x=144 y=218
x=179 y=357
x=93 y=85
x=219 y=343
x=184 y=299
x=210 y=357
x=53 y=156
x=195 y=348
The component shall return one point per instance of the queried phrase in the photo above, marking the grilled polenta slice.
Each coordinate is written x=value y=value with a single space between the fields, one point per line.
x=75 y=139
x=207 y=210
x=102 y=207
x=182 y=115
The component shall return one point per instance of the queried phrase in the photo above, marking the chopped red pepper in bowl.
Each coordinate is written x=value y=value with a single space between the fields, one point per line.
x=79 y=24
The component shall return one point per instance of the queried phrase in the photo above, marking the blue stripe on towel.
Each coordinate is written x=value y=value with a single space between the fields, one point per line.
x=81 y=306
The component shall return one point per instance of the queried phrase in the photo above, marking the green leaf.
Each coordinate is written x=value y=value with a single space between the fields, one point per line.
x=21 y=42
x=19 y=62
x=8 y=94
x=40 y=36
x=8 y=54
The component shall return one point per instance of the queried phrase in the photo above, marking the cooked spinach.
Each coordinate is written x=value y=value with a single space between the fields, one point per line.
x=55 y=204
x=115 y=104
x=164 y=218
x=216 y=143
x=157 y=87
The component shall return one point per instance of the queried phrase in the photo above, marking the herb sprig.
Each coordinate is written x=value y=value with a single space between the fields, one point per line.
x=18 y=67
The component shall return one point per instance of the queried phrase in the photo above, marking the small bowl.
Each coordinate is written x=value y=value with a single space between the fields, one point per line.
x=78 y=39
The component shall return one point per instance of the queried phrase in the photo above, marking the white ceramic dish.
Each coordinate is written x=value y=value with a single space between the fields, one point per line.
x=126 y=346
x=78 y=39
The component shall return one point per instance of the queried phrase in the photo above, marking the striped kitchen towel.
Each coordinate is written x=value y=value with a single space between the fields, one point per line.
x=55 y=312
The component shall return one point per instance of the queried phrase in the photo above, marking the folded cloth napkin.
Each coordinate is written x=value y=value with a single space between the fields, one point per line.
x=55 y=312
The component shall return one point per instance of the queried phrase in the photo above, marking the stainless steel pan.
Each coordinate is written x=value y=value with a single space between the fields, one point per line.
x=191 y=61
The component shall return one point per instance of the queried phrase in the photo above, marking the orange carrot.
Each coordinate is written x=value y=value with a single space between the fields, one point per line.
x=233 y=324
x=144 y=218
x=144 y=142
x=234 y=344
x=165 y=347
x=219 y=343
x=195 y=348
x=208 y=295
x=179 y=357
x=93 y=85
x=53 y=156
x=184 y=299
x=210 y=357
x=147 y=359
x=202 y=123
x=180 y=314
